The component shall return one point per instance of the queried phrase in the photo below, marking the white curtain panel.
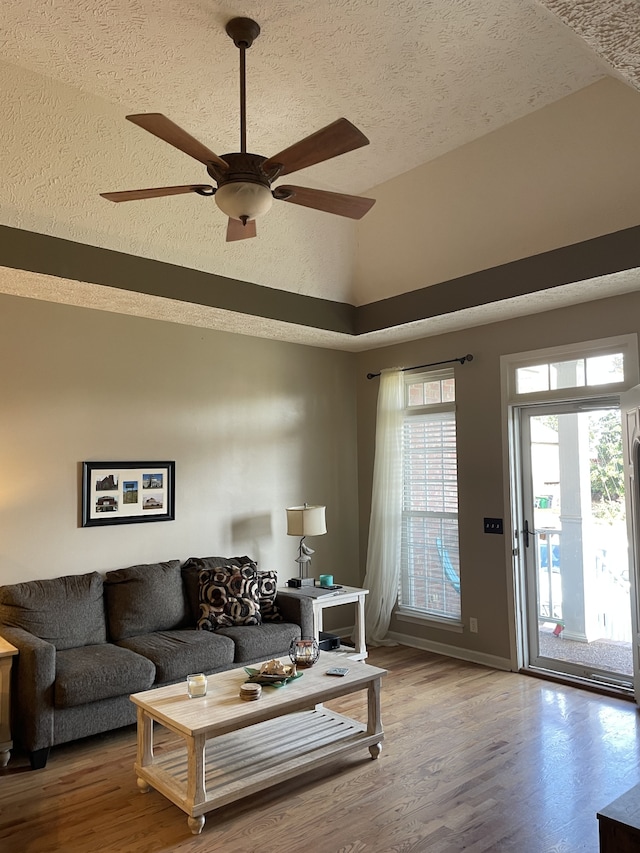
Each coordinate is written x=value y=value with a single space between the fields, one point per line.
x=385 y=526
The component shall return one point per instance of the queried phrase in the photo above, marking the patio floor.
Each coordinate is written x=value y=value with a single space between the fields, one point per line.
x=611 y=655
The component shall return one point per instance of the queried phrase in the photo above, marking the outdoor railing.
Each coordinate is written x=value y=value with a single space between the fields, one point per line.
x=549 y=578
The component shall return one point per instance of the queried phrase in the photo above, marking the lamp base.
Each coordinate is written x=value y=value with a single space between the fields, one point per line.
x=298 y=582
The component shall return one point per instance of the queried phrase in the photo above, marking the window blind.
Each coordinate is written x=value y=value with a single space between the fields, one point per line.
x=430 y=573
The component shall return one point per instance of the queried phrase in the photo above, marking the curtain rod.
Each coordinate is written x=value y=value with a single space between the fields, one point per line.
x=462 y=359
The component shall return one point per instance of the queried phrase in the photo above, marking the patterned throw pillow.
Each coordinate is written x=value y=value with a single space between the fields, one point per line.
x=267 y=587
x=228 y=596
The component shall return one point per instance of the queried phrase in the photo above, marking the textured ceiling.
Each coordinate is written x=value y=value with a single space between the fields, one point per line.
x=419 y=78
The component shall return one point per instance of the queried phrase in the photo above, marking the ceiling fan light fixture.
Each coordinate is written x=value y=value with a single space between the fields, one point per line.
x=243 y=199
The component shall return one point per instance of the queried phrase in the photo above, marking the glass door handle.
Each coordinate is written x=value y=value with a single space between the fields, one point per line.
x=525 y=533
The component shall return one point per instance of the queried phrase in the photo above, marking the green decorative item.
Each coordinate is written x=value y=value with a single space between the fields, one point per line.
x=257 y=677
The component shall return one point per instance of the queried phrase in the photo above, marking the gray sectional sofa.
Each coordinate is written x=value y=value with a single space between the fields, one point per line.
x=86 y=642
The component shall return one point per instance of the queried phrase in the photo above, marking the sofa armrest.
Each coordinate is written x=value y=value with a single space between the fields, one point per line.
x=296 y=609
x=33 y=676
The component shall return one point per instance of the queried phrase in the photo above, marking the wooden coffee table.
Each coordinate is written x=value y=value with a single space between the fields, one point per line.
x=232 y=748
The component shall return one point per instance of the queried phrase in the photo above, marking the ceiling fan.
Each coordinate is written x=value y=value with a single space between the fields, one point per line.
x=244 y=180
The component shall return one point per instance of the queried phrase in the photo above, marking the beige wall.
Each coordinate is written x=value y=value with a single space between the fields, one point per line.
x=563 y=174
x=485 y=566
x=253 y=426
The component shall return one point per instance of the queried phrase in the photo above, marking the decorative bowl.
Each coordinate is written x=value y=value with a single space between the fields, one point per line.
x=275 y=680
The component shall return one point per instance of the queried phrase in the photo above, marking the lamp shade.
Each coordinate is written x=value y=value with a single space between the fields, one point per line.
x=243 y=198
x=306 y=520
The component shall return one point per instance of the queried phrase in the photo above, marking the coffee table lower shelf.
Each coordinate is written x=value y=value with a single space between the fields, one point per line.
x=247 y=760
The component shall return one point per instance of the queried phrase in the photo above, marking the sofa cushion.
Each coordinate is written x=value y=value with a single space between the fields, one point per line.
x=229 y=596
x=263 y=642
x=92 y=673
x=146 y=598
x=267 y=590
x=66 y=611
x=192 y=567
x=177 y=653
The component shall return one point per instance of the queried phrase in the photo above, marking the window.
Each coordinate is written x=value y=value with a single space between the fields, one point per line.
x=573 y=371
x=430 y=566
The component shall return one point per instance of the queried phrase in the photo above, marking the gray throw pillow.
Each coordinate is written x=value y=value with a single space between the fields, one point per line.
x=144 y=599
x=67 y=612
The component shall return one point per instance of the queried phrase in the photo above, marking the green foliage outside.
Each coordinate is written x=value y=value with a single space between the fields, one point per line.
x=607 y=471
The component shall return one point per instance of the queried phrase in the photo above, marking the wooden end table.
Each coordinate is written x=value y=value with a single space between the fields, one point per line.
x=619 y=824
x=321 y=600
x=7 y=651
x=232 y=748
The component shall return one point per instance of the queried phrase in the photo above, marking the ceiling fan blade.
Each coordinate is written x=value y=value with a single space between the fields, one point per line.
x=353 y=206
x=158 y=192
x=168 y=131
x=237 y=231
x=334 y=139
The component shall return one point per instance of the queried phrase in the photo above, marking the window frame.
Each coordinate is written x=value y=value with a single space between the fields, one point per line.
x=626 y=345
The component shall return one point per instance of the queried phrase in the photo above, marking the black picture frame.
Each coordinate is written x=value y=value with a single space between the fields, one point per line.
x=127 y=492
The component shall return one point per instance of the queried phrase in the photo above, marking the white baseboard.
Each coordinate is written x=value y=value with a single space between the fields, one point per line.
x=493 y=661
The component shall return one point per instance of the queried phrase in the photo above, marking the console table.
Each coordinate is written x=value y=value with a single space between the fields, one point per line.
x=7 y=651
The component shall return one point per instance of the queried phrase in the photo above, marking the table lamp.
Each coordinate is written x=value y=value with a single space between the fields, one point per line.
x=305 y=521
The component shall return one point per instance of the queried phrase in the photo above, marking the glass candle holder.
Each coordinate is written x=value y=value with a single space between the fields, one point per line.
x=196 y=685
x=304 y=652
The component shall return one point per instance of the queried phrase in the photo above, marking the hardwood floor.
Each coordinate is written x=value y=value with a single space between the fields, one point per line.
x=473 y=760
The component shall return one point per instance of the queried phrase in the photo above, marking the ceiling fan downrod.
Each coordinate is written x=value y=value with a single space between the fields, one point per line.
x=243 y=31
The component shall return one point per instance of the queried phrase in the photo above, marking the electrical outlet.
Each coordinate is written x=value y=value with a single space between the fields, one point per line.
x=473 y=625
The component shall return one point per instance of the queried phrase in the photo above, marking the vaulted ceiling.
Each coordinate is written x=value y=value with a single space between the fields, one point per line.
x=420 y=79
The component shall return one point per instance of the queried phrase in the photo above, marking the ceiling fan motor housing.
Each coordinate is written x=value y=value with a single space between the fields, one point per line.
x=242 y=167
